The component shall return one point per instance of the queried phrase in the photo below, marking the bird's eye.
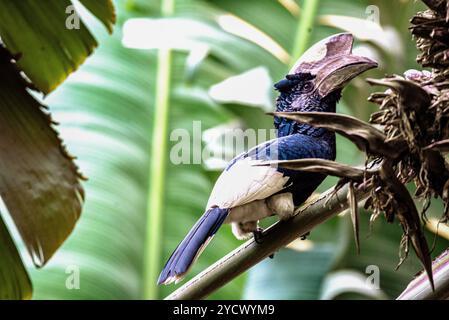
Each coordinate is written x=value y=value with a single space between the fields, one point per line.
x=307 y=87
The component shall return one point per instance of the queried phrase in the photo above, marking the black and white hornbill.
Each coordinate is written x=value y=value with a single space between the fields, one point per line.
x=244 y=193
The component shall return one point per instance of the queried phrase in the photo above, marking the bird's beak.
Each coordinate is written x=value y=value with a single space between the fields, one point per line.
x=332 y=63
x=336 y=74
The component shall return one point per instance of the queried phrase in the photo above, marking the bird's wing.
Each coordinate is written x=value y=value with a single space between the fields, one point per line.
x=242 y=182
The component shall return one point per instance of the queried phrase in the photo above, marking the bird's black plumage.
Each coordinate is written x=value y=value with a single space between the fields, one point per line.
x=299 y=140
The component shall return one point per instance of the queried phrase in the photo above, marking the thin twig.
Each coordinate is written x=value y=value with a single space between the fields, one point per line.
x=277 y=236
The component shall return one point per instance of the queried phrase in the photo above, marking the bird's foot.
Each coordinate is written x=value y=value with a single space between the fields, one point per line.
x=258 y=235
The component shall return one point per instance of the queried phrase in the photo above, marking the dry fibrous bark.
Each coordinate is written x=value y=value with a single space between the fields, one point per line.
x=388 y=193
x=415 y=108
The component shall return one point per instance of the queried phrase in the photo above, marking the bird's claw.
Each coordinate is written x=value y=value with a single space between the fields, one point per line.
x=258 y=235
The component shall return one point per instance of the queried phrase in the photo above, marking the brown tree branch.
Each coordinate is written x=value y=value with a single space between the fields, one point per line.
x=277 y=236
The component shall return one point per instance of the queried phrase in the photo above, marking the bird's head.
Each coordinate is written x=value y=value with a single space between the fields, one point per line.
x=315 y=82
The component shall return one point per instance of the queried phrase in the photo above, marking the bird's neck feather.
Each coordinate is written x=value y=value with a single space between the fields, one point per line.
x=288 y=127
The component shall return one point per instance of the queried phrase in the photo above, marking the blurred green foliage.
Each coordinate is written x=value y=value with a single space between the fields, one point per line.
x=105 y=113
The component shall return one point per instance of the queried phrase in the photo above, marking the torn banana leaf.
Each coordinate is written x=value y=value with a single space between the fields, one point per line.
x=14 y=280
x=39 y=182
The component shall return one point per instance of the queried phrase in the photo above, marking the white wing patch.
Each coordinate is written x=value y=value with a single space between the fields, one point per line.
x=244 y=183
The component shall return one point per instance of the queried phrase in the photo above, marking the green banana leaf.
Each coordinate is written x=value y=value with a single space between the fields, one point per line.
x=49 y=37
x=39 y=183
x=109 y=130
x=290 y=274
x=105 y=121
x=13 y=276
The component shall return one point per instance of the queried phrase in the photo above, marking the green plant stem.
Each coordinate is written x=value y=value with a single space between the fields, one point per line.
x=154 y=225
x=304 y=29
x=274 y=238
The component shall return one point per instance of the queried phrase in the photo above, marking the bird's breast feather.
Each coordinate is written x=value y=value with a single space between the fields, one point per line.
x=243 y=183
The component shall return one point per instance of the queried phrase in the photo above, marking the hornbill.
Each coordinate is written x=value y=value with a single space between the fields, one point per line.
x=245 y=193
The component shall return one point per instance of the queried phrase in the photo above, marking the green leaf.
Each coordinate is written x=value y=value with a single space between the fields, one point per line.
x=15 y=283
x=254 y=13
x=39 y=182
x=290 y=275
x=49 y=38
x=103 y=10
x=379 y=243
x=107 y=122
x=367 y=30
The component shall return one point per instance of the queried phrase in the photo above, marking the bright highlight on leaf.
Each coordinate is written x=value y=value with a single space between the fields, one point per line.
x=252 y=88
